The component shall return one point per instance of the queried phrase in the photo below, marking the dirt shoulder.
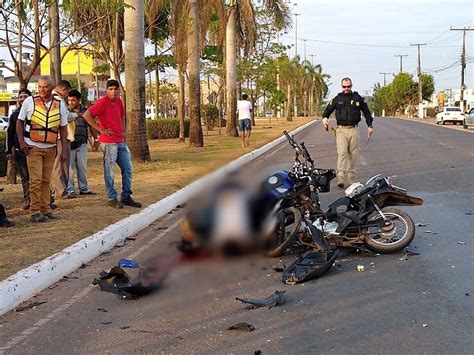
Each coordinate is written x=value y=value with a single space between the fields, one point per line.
x=173 y=166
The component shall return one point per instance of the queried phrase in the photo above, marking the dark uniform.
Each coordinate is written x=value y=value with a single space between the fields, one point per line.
x=348 y=108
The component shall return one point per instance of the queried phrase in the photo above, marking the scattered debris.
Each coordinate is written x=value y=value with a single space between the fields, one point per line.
x=53 y=286
x=427 y=231
x=462 y=242
x=83 y=265
x=360 y=268
x=467 y=294
x=161 y=228
x=263 y=268
x=410 y=251
x=121 y=243
x=257 y=352
x=106 y=253
x=69 y=278
x=181 y=205
x=242 y=326
x=308 y=266
x=31 y=304
x=130 y=238
x=469 y=213
x=123 y=327
x=102 y=310
x=421 y=224
x=105 y=323
x=271 y=301
x=372 y=264
x=279 y=268
x=425 y=325
x=133 y=264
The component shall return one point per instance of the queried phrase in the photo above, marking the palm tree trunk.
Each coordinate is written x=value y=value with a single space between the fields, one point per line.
x=157 y=86
x=54 y=39
x=231 y=72
x=181 y=87
x=135 y=80
x=289 y=106
x=194 y=84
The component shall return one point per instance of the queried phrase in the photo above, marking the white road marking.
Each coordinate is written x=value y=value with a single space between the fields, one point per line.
x=79 y=296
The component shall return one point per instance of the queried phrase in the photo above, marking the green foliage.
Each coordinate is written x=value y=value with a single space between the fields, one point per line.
x=3 y=158
x=73 y=83
x=210 y=115
x=402 y=92
x=162 y=61
x=101 y=69
x=428 y=86
x=165 y=128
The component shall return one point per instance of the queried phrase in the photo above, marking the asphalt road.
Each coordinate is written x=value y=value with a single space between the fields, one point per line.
x=423 y=305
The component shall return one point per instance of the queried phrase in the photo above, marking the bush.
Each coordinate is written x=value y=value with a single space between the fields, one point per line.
x=3 y=158
x=165 y=128
x=210 y=115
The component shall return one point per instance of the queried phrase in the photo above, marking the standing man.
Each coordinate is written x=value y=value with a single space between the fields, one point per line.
x=348 y=105
x=78 y=153
x=244 y=107
x=13 y=149
x=40 y=121
x=59 y=176
x=111 y=114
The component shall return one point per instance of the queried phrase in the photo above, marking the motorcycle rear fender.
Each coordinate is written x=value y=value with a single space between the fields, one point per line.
x=397 y=199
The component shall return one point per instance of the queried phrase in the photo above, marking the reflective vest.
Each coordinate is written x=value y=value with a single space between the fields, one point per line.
x=43 y=126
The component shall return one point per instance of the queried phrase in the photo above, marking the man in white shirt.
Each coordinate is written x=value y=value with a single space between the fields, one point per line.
x=40 y=121
x=244 y=107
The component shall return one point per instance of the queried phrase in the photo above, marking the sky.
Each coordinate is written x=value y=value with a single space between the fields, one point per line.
x=369 y=33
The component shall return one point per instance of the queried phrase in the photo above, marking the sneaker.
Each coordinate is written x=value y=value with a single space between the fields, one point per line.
x=87 y=193
x=129 y=202
x=38 y=218
x=71 y=196
x=115 y=204
x=6 y=223
x=50 y=215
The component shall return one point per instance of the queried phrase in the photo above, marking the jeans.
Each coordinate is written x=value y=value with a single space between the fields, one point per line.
x=78 y=162
x=120 y=154
x=21 y=167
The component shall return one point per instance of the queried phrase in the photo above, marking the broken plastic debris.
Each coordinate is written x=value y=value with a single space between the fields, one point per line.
x=102 y=310
x=279 y=268
x=410 y=251
x=462 y=242
x=128 y=263
x=242 y=326
x=32 y=304
x=271 y=301
x=121 y=243
x=421 y=224
x=425 y=325
x=360 y=268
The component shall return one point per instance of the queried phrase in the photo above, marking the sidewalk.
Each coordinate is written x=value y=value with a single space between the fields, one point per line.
x=432 y=121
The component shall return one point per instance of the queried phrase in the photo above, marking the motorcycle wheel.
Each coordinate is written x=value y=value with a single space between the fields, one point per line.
x=398 y=236
x=292 y=221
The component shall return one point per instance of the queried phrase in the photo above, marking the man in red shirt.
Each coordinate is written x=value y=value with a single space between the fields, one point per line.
x=111 y=115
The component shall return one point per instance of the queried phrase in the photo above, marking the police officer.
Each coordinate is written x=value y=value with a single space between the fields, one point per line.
x=348 y=104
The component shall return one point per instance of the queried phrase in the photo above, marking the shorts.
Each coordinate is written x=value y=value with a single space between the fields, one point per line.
x=245 y=125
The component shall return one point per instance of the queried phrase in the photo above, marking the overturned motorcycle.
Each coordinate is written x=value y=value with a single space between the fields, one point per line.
x=364 y=218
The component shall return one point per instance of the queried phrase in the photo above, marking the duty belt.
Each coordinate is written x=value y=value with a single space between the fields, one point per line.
x=346 y=126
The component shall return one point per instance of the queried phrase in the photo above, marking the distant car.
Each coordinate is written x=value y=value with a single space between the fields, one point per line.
x=3 y=123
x=450 y=114
x=469 y=119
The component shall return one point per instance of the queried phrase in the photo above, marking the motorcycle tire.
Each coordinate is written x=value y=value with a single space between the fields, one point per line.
x=291 y=230
x=392 y=247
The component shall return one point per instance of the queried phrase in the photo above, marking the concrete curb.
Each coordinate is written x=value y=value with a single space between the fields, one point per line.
x=31 y=280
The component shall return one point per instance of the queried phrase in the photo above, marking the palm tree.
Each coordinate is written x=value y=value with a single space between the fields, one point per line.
x=135 y=79
x=241 y=19
x=194 y=83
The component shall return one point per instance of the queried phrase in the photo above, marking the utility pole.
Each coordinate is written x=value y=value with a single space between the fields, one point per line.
x=296 y=35
x=463 y=62
x=420 y=88
x=312 y=56
x=384 y=82
x=401 y=60
x=304 y=41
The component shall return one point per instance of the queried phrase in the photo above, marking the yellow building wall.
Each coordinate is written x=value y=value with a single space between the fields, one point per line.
x=69 y=63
